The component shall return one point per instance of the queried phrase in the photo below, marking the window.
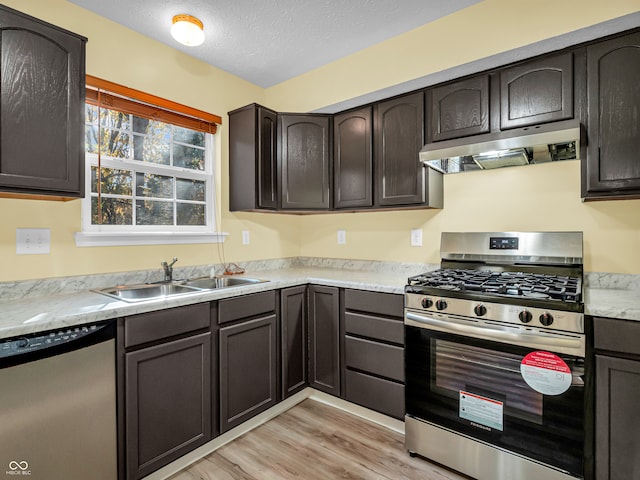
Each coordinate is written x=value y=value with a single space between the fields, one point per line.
x=149 y=174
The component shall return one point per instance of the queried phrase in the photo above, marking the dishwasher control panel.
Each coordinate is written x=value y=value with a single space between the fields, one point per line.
x=40 y=341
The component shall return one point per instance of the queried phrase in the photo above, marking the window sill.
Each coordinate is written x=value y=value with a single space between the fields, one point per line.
x=91 y=239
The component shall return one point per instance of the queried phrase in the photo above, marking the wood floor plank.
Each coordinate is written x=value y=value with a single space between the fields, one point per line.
x=314 y=441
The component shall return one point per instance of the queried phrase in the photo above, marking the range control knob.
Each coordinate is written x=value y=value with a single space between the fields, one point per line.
x=427 y=302
x=525 y=316
x=22 y=343
x=546 y=319
x=480 y=310
x=441 y=304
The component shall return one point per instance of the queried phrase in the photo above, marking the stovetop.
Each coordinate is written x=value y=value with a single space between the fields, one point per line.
x=539 y=286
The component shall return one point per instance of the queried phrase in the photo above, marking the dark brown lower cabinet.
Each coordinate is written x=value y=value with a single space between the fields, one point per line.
x=373 y=372
x=617 y=422
x=168 y=402
x=324 y=339
x=248 y=369
x=293 y=339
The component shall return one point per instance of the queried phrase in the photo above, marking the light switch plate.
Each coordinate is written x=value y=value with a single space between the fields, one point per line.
x=416 y=237
x=342 y=237
x=246 y=237
x=33 y=241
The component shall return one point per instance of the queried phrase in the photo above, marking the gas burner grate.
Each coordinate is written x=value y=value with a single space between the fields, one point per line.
x=515 y=284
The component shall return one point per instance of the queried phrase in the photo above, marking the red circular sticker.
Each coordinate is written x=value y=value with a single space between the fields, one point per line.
x=546 y=373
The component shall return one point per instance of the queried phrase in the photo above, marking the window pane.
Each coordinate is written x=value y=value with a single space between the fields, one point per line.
x=151 y=150
x=115 y=181
x=114 y=211
x=190 y=189
x=90 y=113
x=188 y=157
x=190 y=214
x=114 y=143
x=150 y=185
x=114 y=119
x=192 y=137
x=147 y=126
x=151 y=212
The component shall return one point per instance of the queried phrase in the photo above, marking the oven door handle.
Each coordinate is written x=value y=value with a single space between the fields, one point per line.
x=557 y=342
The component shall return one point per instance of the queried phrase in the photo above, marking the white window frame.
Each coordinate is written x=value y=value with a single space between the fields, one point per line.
x=116 y=235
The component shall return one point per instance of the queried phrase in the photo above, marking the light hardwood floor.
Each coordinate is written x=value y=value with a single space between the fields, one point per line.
x=314 y=441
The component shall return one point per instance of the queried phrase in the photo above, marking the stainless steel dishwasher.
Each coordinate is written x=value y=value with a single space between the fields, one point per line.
x=58 y=404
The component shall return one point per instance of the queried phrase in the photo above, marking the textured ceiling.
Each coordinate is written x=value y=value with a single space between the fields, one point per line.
x=269 y=41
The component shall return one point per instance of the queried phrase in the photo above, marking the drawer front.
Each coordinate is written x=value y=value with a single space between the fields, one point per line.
x=236 y=308
x=616 y=335
x=375 y=393
x=148 y=327
x=379 y=328
x=377 y=358
x=389 y=304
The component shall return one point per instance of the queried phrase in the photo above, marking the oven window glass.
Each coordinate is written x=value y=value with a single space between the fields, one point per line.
x=457 y=367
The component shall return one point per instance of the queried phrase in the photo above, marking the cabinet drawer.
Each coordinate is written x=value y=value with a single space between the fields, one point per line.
x=389 y=304
x=377 y=358
x=378 y=394
x=379 y=328
x=247 y=306
x=617 y=335
x=148 y=327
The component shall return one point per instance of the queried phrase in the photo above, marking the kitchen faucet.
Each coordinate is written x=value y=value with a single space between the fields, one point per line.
x=168 y=269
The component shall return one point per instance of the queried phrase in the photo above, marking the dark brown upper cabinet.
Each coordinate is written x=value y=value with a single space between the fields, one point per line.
x=353 y=161
x=458 y=109
x=612 y=166
x=537 y=92
x=253 y=169
x=305 y=161
x=399 y=135
x=41 y=108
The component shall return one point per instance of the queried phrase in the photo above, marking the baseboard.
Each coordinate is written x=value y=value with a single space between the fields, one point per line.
x=210 y=447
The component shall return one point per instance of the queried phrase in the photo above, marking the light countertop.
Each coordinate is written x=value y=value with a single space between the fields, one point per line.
x=54 y=312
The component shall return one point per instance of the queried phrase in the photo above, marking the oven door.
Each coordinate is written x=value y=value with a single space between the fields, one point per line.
x=512 y=391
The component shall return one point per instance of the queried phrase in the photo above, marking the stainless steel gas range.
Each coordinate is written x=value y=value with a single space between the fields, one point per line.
x=496 y=378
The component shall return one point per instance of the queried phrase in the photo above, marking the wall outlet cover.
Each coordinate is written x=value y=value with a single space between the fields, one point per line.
x=416 y=237
x=342 y=237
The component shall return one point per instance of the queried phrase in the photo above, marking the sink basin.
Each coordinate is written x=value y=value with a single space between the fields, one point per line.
x=207 y=283
x=139 y=293
x=154 y=291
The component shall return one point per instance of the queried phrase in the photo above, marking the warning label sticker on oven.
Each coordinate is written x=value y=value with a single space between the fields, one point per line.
x=481 y=411
x=546 y=373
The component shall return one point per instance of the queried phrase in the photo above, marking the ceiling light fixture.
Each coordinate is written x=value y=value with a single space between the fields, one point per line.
x=187 y=30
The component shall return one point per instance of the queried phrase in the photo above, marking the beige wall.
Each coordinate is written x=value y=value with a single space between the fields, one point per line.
x=544 y=197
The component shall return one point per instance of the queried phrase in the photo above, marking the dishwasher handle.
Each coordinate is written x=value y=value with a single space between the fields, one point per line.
x=36 y=346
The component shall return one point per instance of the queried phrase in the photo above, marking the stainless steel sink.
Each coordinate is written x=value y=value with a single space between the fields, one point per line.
x=154 y=291
x=139 y=293
x=208 y=283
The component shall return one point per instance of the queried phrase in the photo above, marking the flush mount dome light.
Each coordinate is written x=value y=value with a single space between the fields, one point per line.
x=187 y=30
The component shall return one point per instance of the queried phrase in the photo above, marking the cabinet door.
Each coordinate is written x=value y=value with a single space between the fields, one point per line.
x=41 y=107
x=293 y=324
x=399 y=136
x=248 y=369
x=168 y=402
x=252 y=158
x=617 y=418
x=353 y=184
x=459 y=109
x=324 y=339
x=537 y=92
x=613 y=97
x=305 y=161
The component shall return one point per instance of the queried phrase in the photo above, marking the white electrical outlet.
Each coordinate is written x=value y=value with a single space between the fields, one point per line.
x=416 y=237
x=342 y=237
x=33 y=241
x=246 y=237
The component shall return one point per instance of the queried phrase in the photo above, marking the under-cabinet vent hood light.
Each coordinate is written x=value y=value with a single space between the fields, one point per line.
x=521 y=146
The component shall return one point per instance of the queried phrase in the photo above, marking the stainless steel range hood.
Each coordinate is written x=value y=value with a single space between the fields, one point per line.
x=521 y=146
